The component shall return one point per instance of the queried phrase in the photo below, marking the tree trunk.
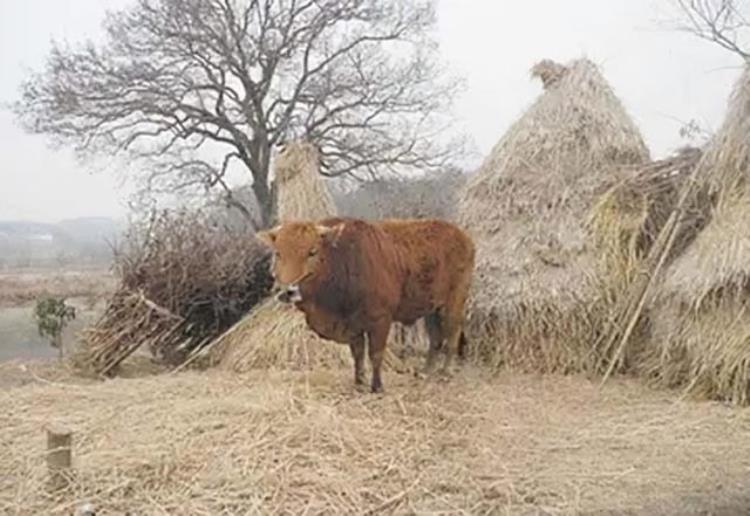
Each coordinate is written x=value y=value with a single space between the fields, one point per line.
x=259 y=165
x=265 y=200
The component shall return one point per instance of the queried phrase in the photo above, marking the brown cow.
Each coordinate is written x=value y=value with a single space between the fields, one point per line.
x=353 y=278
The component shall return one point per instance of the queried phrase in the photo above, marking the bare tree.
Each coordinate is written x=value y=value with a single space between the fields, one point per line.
x=724 y=22
x=195 y=88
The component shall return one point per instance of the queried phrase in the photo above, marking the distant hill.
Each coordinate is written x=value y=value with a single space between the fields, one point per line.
x=92 y=229
x=79 y=241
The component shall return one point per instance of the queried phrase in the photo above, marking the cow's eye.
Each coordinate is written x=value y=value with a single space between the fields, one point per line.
x=312 y=252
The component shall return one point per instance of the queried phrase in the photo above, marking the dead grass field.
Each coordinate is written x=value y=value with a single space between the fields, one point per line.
x=26 y=286
x=296 y=443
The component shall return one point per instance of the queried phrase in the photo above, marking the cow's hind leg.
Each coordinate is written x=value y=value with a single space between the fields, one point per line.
x=453 y=322
x=453 y=316
x=377 y=338
x=357 y=347
x=434 y=326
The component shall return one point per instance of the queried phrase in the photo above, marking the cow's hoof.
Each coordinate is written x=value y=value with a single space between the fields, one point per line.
x=446 y=375
x=360 y=387
x=421 y=375
x=426 y=372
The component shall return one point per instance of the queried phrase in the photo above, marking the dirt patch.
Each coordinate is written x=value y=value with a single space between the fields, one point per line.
x=211 y=443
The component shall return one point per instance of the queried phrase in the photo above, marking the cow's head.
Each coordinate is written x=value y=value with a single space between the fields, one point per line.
x=299 y=254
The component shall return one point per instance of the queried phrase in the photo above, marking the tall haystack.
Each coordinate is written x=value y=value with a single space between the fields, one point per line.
x=275 y=334
x=302 y=193
x=701 y=315
x=534 y=301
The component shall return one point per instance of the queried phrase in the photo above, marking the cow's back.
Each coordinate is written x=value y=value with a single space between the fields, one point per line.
x=436 y=257
x=407 y=266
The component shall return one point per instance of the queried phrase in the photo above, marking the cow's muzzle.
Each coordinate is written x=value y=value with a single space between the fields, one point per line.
x=290 y=294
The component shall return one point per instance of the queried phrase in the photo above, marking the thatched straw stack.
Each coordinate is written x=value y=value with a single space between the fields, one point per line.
x=534 y=294
x=275 y=334
x=701 y=316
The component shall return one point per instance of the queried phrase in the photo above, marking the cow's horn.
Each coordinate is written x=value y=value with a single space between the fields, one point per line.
x=325 y=230
x=268 y=236
x=328 y=231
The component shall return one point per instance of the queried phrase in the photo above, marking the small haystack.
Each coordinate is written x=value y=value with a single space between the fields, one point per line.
x=535 y=290
x=275 y=334
x=701 y=316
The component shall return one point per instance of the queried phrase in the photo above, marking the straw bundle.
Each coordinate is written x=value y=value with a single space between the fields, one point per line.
x=701 y=319
x=628 y=218
x=632 y=225
x=276 y=335
x=534 y=298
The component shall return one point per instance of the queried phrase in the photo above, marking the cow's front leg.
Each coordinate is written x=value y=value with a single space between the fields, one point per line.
x=377 y=338
x=357 y=347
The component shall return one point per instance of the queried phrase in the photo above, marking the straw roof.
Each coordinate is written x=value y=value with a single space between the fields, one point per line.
x=528 y=204
x=701 y=322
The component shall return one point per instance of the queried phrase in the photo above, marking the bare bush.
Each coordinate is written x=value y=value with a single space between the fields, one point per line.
x=183 y=280
x=432 y=195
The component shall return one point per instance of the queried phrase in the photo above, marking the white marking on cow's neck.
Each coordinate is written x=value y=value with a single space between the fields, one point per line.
x=295 y=295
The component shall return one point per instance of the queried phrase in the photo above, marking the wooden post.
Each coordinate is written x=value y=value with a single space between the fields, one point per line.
x=59 y=443
x=59 y=341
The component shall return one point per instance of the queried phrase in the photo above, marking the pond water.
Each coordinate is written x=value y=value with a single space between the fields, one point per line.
x=19 y=338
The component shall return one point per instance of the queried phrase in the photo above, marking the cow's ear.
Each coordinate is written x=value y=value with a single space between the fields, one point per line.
x=268 y=236
x=330 y=233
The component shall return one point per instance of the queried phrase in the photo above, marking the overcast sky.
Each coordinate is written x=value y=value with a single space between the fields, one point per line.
x=664 y=78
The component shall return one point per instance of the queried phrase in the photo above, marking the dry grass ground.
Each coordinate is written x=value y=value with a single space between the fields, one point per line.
x=297 y=443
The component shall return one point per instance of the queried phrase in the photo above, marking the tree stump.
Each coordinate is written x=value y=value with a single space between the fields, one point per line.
x=59 y=443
